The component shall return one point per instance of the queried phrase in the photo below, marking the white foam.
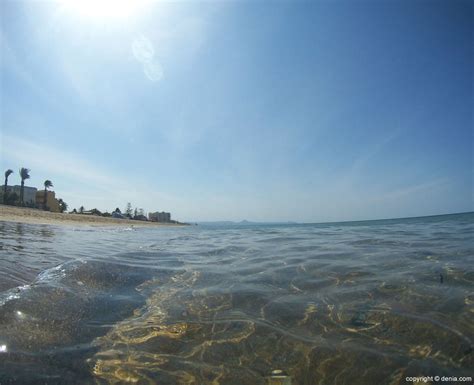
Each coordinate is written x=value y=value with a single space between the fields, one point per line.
x=12 y=294
x=55 y=273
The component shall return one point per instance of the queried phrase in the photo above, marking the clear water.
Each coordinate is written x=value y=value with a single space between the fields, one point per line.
x=342 y=303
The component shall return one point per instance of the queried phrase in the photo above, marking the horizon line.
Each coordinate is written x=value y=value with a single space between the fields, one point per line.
x=330 y=222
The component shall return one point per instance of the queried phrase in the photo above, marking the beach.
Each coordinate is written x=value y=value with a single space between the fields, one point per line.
x=35 y=216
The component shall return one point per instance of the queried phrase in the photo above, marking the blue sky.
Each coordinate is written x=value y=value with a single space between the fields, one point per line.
x=267 y=111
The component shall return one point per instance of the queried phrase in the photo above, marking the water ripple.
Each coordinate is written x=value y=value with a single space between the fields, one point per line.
x=367 y=302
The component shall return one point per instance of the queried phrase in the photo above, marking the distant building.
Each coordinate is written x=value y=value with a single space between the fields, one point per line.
x=29 y=193
x=50 y=202
x=159 y=217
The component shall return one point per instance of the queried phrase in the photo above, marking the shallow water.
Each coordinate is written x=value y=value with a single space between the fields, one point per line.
x=342 y=303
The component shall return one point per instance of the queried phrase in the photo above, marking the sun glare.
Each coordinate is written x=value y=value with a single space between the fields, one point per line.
x=104 y=9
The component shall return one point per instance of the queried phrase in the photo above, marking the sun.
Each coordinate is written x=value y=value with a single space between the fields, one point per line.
x=103 y=9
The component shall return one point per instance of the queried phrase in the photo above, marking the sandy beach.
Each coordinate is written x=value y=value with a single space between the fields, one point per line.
x=35 y=216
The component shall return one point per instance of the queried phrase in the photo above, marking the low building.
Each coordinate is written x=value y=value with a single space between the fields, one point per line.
x=159 y=217
x=50 y=203
x=29 y=193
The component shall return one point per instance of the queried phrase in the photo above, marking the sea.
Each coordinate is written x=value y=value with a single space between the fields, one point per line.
x=371 y=302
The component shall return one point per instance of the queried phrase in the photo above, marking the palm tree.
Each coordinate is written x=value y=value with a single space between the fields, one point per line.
x=24 y=174
x=7 y=174
x=62 y=205
x=47 y=184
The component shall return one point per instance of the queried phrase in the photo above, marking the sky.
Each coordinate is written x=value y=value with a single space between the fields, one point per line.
x=266 y=111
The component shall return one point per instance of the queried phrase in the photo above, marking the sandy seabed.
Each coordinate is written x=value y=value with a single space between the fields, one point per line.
x=35 y=216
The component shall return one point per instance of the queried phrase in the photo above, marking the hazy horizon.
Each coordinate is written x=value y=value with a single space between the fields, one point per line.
x=269 y=112
x=341 y=221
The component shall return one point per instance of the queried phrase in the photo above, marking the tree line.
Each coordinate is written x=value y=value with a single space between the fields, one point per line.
x=128 y=213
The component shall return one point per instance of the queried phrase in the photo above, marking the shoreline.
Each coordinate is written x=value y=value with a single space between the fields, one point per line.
x=40 y=217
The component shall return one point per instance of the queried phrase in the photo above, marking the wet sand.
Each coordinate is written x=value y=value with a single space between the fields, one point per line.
x=35 y=216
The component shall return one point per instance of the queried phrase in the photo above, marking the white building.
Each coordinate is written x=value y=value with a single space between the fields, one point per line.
x=29 y=193
x=159 y=217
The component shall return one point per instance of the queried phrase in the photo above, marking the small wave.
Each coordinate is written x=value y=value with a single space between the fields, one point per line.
x=377 y=242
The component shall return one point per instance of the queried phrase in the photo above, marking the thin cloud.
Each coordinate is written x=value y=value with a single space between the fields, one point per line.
x=47 y=159
x=414 y=189
x=360 y=163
